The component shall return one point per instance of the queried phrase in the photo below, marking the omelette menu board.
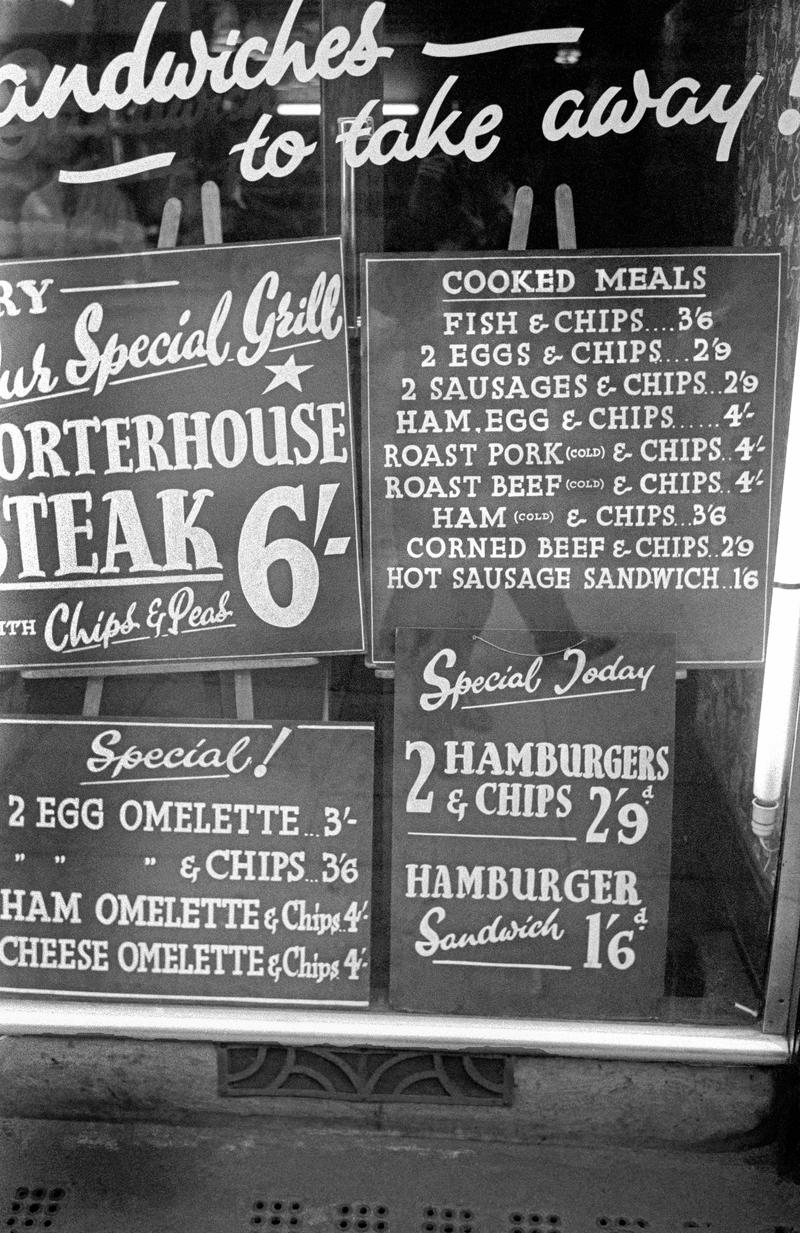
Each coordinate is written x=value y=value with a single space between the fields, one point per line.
x=531 y=822
x=176 y=458
x=573 y=441
x=200 y=861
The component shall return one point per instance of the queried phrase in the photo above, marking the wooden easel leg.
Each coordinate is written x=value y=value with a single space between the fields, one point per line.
x=212 y=213
x=226 y=695
x=93 y=696
x=326 y=690
x=565 y=217
x=170 y=222
x=243 y=695
x=521 y=219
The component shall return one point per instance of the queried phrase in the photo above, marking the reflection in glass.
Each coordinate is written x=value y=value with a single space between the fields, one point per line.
x=40 y=215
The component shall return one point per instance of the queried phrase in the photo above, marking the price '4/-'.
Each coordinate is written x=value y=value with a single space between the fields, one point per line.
x=354 y=914
x=737 y=413
x=748 y=446
x=746 y=481
x=354 y=961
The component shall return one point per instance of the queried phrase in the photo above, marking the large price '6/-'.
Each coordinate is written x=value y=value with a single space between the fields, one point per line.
x=257 y=554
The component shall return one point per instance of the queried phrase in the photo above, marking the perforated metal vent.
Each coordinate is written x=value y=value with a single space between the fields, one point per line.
x=33 y=1207
x=534 y=1222
x=364 y=1217
x=637 y=1222
x=449 y=1220
x=269 y=1214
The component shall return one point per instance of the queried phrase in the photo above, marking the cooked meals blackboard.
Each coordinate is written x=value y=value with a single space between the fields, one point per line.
x=572 y=441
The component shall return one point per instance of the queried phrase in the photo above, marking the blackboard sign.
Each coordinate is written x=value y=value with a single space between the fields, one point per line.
x=176 y=457
x=201 y=861
x=573 y=441
x=531 y=823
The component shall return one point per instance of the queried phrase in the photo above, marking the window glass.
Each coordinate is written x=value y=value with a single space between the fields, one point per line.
x=42 y=216
x=652 y=187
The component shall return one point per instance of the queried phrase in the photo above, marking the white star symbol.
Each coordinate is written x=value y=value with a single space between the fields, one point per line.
x=287 y=373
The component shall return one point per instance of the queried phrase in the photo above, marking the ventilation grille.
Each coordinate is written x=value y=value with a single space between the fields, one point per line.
x=384 y=1075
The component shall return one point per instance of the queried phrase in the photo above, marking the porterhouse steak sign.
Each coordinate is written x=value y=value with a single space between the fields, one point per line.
x=531 y=822
x=176 y=457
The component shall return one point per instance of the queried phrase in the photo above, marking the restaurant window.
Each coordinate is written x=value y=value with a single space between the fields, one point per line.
x=655 y=186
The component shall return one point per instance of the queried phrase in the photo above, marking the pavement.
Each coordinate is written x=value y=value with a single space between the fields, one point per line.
x=261 y=1174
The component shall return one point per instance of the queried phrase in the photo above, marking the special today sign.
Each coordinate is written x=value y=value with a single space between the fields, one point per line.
x=176 y=457
x=532 y=822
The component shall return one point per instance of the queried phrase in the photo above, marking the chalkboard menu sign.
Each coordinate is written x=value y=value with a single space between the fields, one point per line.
x=176 y=457
x=531 y=822
x=200 y=861
x=573 y=441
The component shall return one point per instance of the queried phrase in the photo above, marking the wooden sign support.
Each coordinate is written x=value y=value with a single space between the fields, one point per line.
x=236 y=677
x=565 y=218
x=521 y=219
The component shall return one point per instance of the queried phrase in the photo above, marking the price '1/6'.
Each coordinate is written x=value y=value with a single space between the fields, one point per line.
x=257 y=555
x=619 y=953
